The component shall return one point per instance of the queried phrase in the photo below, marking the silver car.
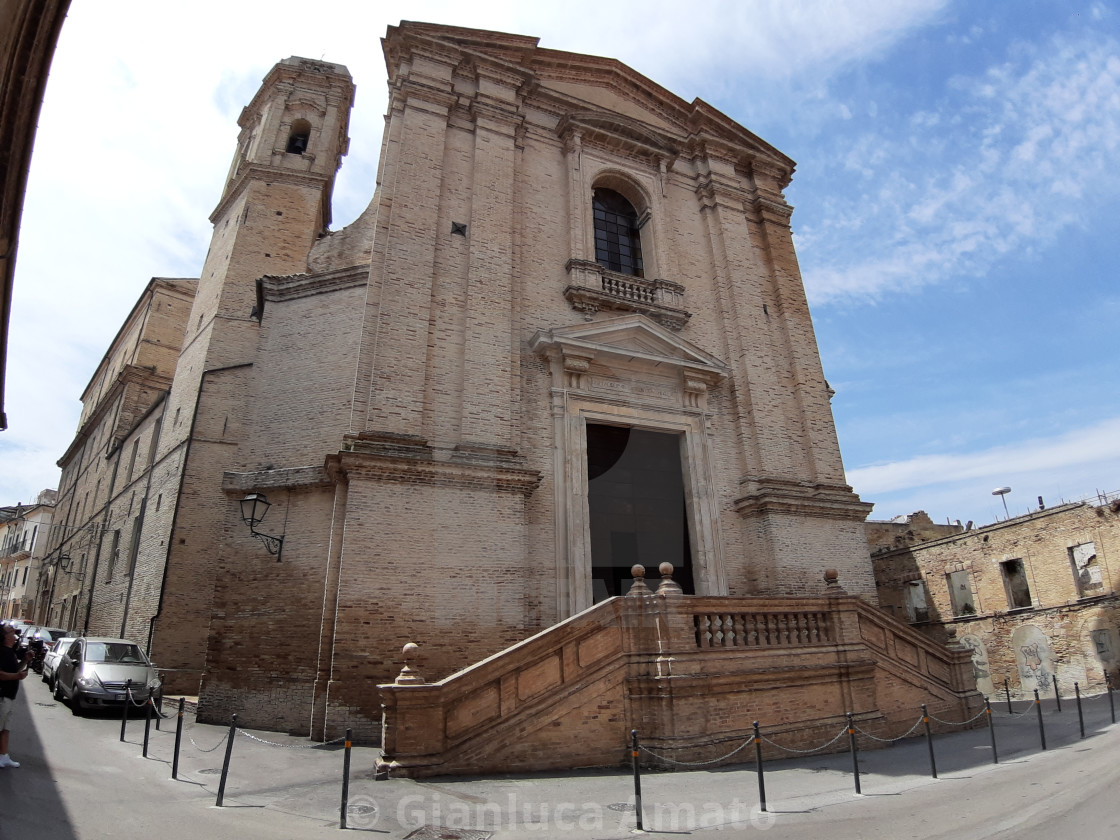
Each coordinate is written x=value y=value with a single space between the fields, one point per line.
x=93 y=673
x=51 y=657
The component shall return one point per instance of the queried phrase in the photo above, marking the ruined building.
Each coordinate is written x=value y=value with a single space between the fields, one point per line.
x=568 y=336
x=1034 y=597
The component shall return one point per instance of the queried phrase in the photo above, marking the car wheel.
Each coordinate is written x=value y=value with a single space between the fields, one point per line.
x=56 y=690
x=76 y=706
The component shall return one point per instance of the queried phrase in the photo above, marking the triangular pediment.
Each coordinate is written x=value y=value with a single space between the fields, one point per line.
x=629 y=337
x=581 y=83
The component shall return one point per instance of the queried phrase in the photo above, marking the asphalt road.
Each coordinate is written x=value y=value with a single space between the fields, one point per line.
x=79 y=781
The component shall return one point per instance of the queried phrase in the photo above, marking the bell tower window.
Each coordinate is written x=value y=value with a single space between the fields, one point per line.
x=618 y=244
x=297 y=140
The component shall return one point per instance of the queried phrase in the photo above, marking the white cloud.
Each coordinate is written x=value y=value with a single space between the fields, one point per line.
x=1035 y=155
x=959 y=483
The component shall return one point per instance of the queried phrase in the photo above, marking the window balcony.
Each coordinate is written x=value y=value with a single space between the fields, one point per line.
x=594 y=288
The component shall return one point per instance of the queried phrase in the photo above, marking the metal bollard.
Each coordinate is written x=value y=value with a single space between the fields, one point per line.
x=758 y=765
x=855 y=754
x=1057 y=696
x=1080 y=716
x=637 y=779
x=1041 y=728
x=991 y=729
x=178 y=739
x=1111 y=705
x=225 y=764
x=127 y=700
x=929 y=742
x=345 y=782
x=1007 y=694
x=147 y=722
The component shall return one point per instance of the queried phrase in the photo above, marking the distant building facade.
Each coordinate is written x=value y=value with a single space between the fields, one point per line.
x=1034 y=597
x=568 y=335
x=93 y=579
x=24 y=531
x=888 y=534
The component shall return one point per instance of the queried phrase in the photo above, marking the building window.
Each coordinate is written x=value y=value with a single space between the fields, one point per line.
x=618 y=244
x=1086 y=572
x=917 y=606
x=1102 y=642
x=960 y=593
x=131 y=461
x=114 y=553
x=1015 y=582
x=297 y=140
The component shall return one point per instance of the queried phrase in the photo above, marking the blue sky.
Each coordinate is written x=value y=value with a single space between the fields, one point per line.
x=956 y=205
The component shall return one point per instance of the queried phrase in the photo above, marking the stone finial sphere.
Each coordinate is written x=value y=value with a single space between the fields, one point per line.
x=665 y=568
x=831 y=575
x=410 y=650
x=637 y=571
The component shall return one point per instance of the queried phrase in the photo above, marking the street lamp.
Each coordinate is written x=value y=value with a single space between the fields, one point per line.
x=253 y=508
x=1002 y=493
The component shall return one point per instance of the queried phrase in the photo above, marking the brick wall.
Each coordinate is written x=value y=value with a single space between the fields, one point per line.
x=1064 y=609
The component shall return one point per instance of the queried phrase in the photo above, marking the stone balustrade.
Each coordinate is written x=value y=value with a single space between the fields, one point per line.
x=682 y=670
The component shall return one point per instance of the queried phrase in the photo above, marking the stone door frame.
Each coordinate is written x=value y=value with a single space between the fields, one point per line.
x=629 y=371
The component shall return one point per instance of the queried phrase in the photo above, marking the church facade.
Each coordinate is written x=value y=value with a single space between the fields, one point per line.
x=568 y=335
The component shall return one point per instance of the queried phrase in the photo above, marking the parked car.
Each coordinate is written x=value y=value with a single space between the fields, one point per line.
x=93 y=673
x=50 y=659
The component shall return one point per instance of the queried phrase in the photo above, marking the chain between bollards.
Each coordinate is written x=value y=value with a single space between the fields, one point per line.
x=758 y=766
x=178 y=739
x=345 y=781
x=991 y=729
x=225 y=764
x=855 y=753
x=929 y=742
x=147 y=721
x=1041 y=727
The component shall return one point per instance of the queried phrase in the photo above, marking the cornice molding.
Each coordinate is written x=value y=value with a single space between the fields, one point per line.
x=236 y=483
x=271 y=174
x=408 y=459
x=781 y=496
x=293 y=286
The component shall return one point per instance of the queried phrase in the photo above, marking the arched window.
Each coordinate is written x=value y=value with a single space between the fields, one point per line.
x=297 y=140
x=618 y=246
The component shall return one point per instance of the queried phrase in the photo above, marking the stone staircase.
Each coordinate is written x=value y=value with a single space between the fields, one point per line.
x=689 y=673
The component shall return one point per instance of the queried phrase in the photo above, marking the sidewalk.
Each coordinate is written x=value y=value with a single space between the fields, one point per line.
x=276 y=780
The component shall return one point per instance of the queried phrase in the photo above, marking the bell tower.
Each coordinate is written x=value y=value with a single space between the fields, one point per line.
x=275 y=204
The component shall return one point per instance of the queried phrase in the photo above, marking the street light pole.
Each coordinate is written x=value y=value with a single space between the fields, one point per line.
x=1002 y=493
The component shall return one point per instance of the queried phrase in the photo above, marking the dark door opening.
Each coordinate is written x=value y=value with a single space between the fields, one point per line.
x=635 y=498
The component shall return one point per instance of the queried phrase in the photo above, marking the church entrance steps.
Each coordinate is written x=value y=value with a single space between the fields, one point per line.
x=690 y=673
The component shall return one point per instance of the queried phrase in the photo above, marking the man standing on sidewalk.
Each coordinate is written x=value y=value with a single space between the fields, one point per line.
x=11 y=672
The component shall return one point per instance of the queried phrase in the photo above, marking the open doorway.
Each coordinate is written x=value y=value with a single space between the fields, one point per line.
x=636 y=504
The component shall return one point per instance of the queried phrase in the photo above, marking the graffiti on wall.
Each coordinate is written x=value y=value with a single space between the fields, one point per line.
x=1034 y=657
x=980 y=667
